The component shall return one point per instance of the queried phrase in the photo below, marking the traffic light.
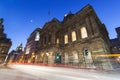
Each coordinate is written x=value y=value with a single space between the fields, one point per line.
x=57 y=58
x=85 y=52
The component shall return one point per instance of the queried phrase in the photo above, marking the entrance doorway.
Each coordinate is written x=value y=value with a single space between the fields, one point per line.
x=75 y=57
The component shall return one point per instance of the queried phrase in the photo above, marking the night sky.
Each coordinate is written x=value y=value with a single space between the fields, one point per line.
x=21 y=17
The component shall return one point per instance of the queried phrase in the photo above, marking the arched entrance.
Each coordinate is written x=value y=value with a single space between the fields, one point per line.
x=75 y=57
x=66 y=58
x=51 y=58
x=45 y=58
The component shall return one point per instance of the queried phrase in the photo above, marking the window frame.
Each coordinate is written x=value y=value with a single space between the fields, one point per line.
x=74 y=36
x=65 y=39
x=84 y=33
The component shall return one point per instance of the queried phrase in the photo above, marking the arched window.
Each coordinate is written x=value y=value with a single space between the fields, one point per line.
x=66 y=39
x=73 y=36
x=37 y=36
x=27 y=50
x=57 y=41
x=84 y=32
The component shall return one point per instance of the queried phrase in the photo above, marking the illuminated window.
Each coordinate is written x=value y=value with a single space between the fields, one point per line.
x=66 y=39
x=37 y=37
x=57 y=41
x=84 y=32
x=27 y=50
x=73 y=36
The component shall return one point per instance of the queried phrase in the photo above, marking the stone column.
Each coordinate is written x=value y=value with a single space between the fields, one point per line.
x=61 y=40
x=69 y=37
x=53 y=38
x=89 y=27
x=78 y=34
x=94 y=25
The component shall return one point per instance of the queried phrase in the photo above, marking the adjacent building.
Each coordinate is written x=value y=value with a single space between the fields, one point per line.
x=32 y=47
x=5 y=43
x=15 y=55
x=116 y=42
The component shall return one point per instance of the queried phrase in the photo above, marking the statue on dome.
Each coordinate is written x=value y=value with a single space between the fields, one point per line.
x=1 y=26
x=1 y=21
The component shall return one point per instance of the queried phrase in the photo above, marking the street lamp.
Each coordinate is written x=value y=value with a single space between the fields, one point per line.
x=47 y=53
x=2 y=51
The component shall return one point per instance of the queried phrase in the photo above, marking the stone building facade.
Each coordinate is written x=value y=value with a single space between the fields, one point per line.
x=5 y=43
x=77 y=39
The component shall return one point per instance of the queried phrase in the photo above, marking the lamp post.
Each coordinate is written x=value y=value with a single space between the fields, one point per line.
x=47 y=56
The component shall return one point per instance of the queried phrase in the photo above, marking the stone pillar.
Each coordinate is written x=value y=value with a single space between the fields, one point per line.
x=53 y=38
x=89 y=27
x=94 y=25
x=69 y=37
x=61 y=38
x=51 y=59
x=66 y=61
x=78 y=36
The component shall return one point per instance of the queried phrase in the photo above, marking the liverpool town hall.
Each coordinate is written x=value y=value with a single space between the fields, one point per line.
x=75 y=40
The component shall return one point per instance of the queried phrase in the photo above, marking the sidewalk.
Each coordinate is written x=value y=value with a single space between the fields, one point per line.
x=2 y=66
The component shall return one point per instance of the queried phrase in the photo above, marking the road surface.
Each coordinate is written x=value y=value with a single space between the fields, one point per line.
x=30 y=72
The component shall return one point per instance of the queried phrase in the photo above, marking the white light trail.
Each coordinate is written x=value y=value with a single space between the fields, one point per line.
x=56 y=73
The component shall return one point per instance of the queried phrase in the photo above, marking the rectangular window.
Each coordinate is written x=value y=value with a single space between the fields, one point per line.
x=84 y=32
x=66 y=39
x=73 y=36
x=37 y=36
x=57 y=41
